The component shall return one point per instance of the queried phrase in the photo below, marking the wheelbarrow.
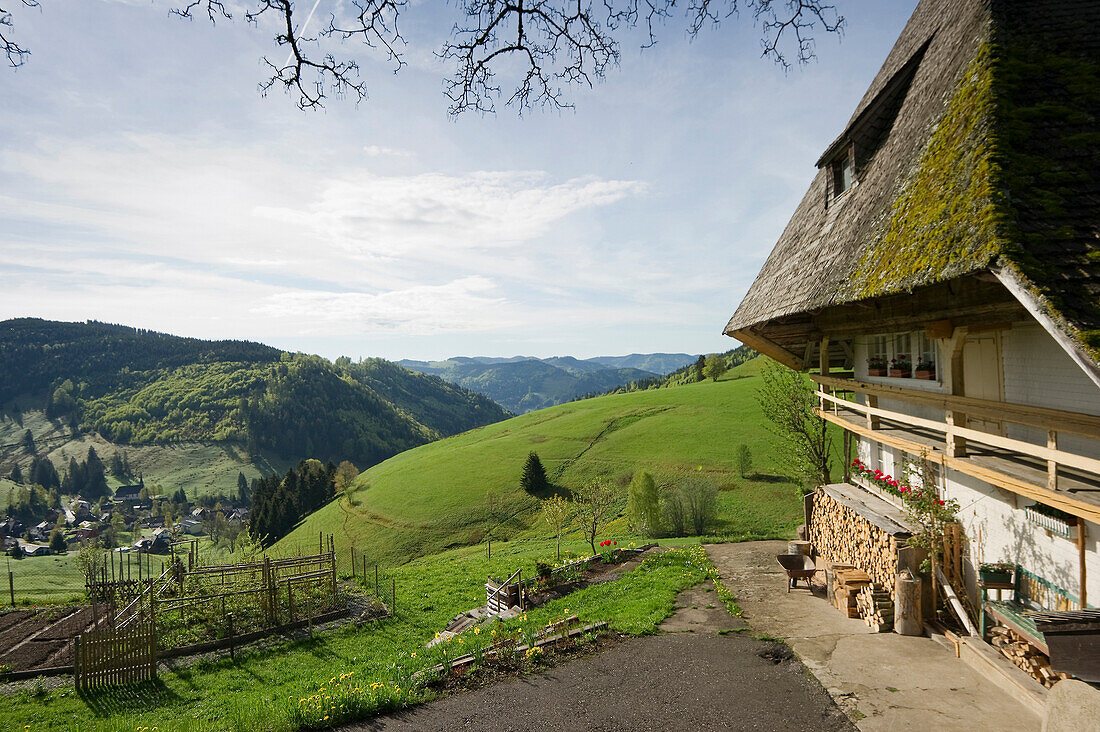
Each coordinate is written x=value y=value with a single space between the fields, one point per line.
x=798 y=566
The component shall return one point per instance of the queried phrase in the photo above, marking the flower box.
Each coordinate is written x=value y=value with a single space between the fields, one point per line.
x=925 y=375
x=995 y=577
x=899 y=373
x=876 y=372
x=1061 y=525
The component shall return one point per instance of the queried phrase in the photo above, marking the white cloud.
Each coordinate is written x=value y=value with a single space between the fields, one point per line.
x=461 y=305
x=375 y=151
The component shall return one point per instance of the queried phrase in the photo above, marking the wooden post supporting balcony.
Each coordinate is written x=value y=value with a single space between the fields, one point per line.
x=1052 y=465
x=1082 y=595
x=872 y=418
x=956 y=445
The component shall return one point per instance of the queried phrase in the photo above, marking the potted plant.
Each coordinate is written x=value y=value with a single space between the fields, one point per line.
x=901 y=367
x=996 y=573
x=925 y=370
x=876 y=366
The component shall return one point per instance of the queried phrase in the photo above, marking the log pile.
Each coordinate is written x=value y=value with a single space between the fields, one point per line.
x=847 y=583
x=1024 y=655
x=875 y=607
x=840 y=534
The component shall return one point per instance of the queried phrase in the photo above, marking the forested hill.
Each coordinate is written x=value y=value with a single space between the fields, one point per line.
x=140 y=387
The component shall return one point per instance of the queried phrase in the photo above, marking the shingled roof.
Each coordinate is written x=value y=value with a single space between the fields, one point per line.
x=976 y=148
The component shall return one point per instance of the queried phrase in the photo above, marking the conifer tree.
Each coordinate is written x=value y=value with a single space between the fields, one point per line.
x=534 y=478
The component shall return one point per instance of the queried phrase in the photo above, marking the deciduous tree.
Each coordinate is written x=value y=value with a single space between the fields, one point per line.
x=787 y=400
x=558 y=513
x=594 y=503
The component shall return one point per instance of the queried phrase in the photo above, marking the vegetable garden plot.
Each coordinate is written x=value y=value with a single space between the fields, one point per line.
x=190 y=607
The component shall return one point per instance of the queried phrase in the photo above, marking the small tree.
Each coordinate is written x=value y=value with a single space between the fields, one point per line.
x=714 y=366
x=594 y=502
x=787 y=400
x=534 y=478
x=744 y=460
x=346 y=473
x=28 y=442
x=643 y=505
x=58 y=544
x=17 y=475
x=558 y=514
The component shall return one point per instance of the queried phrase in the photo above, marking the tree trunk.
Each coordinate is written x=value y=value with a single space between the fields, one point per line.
x=907 y=606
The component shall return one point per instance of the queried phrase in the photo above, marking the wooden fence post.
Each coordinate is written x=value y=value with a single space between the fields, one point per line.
x=11 y=587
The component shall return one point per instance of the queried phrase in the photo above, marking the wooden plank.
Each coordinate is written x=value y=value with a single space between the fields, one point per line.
x=1087 y=425
x=872 y=508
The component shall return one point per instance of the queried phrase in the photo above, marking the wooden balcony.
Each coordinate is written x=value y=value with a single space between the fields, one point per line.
x=1043 y=473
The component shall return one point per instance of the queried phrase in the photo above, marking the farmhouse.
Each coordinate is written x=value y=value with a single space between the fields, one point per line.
x=942 y=277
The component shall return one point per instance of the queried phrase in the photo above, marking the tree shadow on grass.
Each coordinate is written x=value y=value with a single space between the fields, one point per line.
x=139 y=697
x=770 y=478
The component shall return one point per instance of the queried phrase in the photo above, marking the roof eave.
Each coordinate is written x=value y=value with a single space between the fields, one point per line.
x=1020 y=289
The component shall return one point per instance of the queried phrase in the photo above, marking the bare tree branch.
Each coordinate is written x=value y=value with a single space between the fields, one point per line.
x=17 y=55
x=561 y=43
x=546 y=45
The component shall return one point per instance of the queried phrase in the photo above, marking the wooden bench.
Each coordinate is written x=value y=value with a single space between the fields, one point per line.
x=1030 y=593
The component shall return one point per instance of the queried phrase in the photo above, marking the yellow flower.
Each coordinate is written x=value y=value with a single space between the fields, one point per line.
x=477 y=631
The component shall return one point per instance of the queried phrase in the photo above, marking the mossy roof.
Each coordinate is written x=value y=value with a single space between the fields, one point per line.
x=976 y=147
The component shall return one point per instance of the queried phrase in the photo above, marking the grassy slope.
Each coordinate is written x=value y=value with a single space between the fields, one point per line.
x=434 y=496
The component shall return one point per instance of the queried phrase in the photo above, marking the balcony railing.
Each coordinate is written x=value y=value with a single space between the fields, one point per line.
x=1046 y=473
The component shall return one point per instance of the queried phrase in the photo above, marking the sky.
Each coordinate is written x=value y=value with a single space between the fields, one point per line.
x=144 y=180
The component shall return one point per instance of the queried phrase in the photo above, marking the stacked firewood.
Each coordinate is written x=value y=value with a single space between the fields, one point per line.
x=1024 y=655
x=847 y=583
x=840 y=534
x=875 y=607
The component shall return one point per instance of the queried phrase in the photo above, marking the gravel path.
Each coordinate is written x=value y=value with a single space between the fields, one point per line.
x=697 y=675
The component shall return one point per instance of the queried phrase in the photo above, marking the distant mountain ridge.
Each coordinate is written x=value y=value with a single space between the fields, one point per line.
x=139 y=387
x=523 y=384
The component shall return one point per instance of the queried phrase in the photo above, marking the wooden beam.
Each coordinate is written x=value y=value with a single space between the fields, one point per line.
x=768 y=348
x=847 y=324
x=823 y=356
x=939 y=328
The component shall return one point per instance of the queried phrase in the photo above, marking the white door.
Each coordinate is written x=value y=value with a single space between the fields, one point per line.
x=982 y=375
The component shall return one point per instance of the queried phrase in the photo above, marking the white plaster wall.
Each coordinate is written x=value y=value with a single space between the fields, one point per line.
x=1039 y=373
x=998 y=531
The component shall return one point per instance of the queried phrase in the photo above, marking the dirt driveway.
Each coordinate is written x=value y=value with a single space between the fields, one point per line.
x=700 y=674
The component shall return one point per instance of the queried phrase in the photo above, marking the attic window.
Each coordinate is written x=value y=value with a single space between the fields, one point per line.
x=842 y=174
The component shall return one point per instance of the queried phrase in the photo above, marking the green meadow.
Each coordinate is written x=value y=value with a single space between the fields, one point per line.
x=465 y=489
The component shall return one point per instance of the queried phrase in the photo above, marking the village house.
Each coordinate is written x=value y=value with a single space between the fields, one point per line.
x=942 y=277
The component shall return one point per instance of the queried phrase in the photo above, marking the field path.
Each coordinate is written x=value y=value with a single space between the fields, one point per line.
x=693 y=676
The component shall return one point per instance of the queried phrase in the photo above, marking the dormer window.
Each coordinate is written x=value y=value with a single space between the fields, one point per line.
x=842 y=174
